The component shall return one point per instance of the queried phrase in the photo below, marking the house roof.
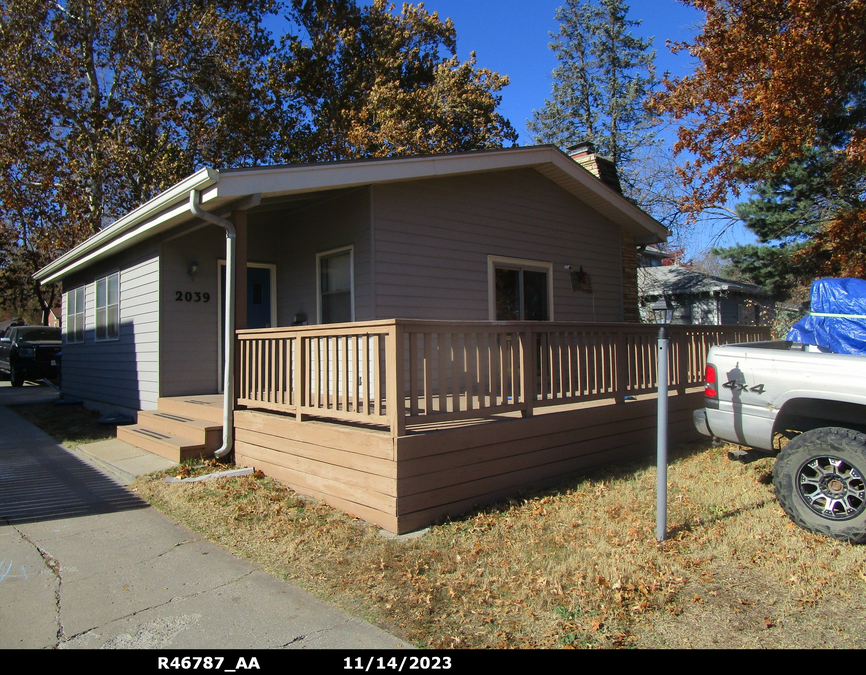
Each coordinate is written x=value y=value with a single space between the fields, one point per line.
x=679 y=280
x=220 y=189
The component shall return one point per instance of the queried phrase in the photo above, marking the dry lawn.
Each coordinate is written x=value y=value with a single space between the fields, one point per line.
x=575 y=566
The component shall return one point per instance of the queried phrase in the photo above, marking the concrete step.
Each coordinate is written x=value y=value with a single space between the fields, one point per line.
x=170 y=446
x=206 y=407
x=201 y=431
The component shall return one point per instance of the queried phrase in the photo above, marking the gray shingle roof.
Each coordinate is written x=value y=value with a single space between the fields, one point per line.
x=678 y=280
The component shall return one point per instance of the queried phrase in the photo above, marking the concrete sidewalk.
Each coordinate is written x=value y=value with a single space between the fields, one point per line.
x=84 y=563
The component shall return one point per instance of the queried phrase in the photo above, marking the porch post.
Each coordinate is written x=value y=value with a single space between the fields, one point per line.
x=528 y=350
x=621 y=360
x=239 y=218
x=680 y=339
x=395 y=400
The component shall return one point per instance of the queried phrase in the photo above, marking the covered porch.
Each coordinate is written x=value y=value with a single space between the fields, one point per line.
x=405 y=422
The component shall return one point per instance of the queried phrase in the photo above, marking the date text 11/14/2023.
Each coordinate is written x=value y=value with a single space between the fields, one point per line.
x=397 y=664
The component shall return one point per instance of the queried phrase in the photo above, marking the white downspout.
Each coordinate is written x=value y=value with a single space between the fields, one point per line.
x=228 y=373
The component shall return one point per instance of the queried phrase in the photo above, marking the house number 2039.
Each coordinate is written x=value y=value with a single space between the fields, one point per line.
x=180 y=296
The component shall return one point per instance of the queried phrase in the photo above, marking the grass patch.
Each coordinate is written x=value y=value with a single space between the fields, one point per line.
x=573 y=567
x=69 y=424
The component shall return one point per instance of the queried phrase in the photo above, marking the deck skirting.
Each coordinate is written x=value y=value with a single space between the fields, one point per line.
x=405 y=483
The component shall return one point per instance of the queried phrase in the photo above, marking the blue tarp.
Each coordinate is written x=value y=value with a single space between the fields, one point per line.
x=838 y=317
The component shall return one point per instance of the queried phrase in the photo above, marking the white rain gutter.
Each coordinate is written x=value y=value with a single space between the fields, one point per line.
x=228 y=373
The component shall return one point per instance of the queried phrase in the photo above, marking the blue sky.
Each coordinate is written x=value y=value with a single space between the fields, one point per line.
x=512 y=36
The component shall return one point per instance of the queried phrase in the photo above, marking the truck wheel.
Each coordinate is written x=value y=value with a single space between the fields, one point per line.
x=820 y=481
x=16 y=377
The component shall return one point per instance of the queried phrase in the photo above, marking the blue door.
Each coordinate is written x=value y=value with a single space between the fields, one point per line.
x=258 y=306
x=258 y=296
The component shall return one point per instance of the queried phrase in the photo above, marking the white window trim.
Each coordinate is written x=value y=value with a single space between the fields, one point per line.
x=68 y=322
x=494 y=261
x=107 y=338
x=326 y=254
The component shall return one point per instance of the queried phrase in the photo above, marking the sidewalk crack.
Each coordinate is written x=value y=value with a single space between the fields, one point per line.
x=53 y=565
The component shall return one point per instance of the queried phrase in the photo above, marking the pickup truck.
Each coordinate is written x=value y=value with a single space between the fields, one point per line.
x=761 y=393
x=30 y=353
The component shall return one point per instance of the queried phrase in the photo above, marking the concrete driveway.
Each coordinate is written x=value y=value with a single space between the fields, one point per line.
x=85 y=563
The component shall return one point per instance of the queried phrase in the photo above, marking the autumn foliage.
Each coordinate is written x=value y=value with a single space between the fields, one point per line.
x=775 y=78
x=106 y=103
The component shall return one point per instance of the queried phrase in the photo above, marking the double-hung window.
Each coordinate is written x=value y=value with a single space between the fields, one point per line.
x=74 y=306
x=108 y=307
x=336 y=301
x=520 y=290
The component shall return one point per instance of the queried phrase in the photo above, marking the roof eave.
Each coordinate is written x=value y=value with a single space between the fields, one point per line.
x=132 y=223
x=220 y=187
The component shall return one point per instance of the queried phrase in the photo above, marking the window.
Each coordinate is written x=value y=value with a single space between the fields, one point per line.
x=520 y=290
x=107 y=307
x=74 y=325
x=336 y=301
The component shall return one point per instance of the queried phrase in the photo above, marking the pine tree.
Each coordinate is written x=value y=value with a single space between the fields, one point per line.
x=787 y=212
x=601 y=83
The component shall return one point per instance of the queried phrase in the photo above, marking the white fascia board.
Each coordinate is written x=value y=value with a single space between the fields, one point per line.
x=132 y=224
x=272 y=181
x=121 y=242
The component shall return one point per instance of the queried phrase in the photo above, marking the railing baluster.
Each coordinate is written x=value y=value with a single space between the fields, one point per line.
x=459 y=370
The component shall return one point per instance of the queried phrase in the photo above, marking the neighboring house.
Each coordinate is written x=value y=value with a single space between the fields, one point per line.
x=700 y=299
x=386 y=307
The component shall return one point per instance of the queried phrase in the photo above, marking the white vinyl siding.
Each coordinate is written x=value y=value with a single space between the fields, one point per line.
x=120 y=373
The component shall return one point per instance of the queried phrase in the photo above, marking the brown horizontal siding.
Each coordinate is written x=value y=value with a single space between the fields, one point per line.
x=448 y=472
x=457 y=470
x=352 y=439
x=346 y=467
x=325 y=490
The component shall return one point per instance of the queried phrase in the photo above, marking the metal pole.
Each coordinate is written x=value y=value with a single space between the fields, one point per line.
x=662 y=443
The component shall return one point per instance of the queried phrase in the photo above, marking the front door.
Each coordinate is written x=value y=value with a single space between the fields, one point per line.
x=260 y=304
x=259 y=296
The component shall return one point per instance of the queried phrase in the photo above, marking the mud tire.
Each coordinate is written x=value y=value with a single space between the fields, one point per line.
x=820 y=482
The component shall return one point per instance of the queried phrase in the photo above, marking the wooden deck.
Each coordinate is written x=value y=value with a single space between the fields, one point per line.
x=447 y=468
x=404 y=423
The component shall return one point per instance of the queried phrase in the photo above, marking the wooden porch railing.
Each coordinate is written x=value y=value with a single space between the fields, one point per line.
x=400 y=372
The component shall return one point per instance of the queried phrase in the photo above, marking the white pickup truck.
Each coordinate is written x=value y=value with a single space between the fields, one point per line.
x=760 y=393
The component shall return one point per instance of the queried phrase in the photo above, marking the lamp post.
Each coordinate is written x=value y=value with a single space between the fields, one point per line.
x=663 y=312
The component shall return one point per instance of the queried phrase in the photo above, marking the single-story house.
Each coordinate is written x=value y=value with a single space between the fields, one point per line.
x=697 y=298
x=401 y=334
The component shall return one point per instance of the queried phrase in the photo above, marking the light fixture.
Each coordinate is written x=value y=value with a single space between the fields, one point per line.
x=193 y=269
x=663 y=310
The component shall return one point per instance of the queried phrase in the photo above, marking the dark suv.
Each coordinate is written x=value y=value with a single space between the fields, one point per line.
x=30 y=353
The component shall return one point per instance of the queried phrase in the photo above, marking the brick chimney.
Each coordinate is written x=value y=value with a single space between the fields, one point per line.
x=602 y=168
x=605 y=170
